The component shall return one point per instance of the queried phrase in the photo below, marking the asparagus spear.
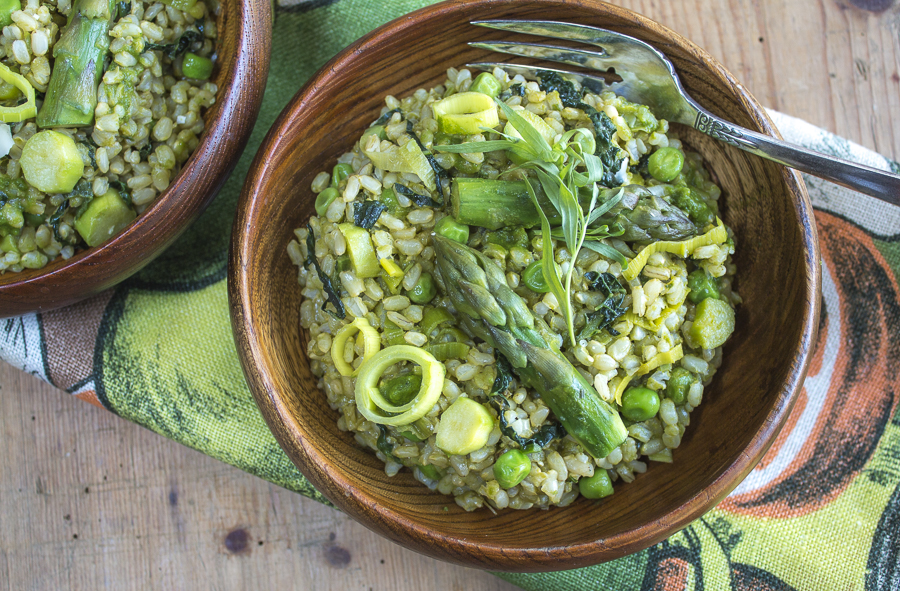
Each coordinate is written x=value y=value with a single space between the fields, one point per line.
x=645 y=217
x=492 y=311
x=497 y=204
x=79 y=55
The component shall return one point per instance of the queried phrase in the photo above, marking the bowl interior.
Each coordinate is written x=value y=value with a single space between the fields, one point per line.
x=242 y=48
x=743 y=408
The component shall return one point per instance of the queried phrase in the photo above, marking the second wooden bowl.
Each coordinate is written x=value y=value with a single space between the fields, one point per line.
x=743 y=410
x=245 y=30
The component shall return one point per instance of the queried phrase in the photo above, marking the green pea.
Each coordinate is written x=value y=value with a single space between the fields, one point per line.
x=597 y=486
x=430 y=471
x=702 y=286
x=533 y=278
x=466 y=167
x=485 y=83
x=679 y=384
x=196 y=66
x=324 y=200
x=389 y=198
x=511 y=468
x=665 y=164
x=713 y=323
x=424 y=290
x=639 y=404
x=450 y=228
x=340 y=173
x=401 y=389
x=690 y=203
x=33 y=219
x=374 y=130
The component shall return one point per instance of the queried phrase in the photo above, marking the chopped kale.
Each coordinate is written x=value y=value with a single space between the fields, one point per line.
x=123 y=9
x=56 y=218
x=384 y=446
x=145 y=151
x=604 y=128
x=607 y=150
x=122 y=188
x=420 y=200
x=92 y=152
x=544 y=435
x=570 y=97
x=386 y=117
x=642 y=167
x=610 y=310
x=514 y=90
x=504 y=375
x=367 y=213
x=173 y=50
x=606 y=283
x=439 y=171
x=327 y=284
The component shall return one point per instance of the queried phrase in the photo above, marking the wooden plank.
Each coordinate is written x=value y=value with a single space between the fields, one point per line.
x=149 y=513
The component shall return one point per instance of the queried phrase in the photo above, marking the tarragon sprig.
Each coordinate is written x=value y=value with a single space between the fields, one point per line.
x=564 y=170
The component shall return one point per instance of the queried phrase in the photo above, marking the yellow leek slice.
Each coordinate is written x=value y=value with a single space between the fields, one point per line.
x=670 y=356
x=26 y=110
x=466 y=113
x=371 y=344
x=683 y=248
x=391 y=268
x=376 y=408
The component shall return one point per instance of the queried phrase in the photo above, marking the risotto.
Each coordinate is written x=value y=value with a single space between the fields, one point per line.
x=100 y=105
x=516 y=289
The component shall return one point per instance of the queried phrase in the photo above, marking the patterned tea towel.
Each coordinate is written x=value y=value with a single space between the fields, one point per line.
x=821 y=511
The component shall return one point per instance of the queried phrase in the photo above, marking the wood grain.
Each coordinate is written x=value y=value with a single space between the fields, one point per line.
x=798 y=56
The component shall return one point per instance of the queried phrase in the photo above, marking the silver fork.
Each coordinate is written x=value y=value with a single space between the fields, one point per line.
x=648 y=77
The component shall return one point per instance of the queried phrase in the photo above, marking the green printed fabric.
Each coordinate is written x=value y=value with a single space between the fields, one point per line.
x=821 y=511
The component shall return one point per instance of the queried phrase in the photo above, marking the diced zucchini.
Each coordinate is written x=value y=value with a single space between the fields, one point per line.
x=104 y=217
x=51 y=162
x=362 y=254
x=464 y=427
x=713 y=323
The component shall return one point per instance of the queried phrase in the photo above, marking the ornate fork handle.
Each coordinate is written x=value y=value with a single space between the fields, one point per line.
x=865 y=179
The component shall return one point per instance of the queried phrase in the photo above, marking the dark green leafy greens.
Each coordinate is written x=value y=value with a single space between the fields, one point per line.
x=439 y=171
x=384 y=446
x=367 y=213
x=173 y=50
x=604 y=128
x=502 y=382
x=386 y=117
x=611 y=308
x=420 y=200
x=327 y=285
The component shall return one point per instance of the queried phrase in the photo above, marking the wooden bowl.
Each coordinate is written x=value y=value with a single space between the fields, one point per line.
x=744 y=408
x=245 y=33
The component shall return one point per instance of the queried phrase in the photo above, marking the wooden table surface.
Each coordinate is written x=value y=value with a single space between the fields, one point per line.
x=90 y=501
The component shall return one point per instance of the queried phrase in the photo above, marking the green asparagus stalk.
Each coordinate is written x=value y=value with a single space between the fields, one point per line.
x=645 y=217
x=79 y=55
x=492 y=311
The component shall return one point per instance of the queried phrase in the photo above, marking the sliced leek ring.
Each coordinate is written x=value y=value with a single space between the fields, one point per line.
x=375 y=407
x=26 y=110
x=466 y=113
x=371 y=344
x=670 y=356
